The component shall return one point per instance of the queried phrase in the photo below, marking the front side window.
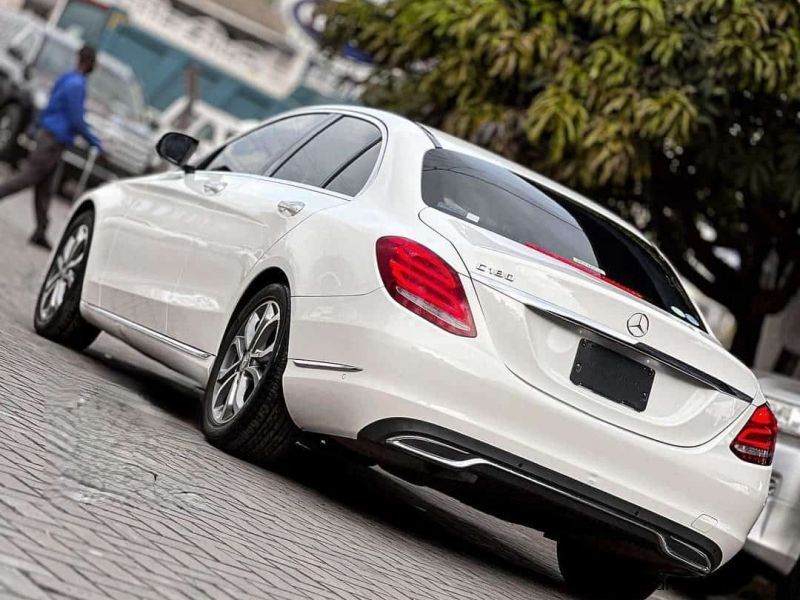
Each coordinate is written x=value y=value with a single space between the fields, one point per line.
x=494 y=198
x=254 y=152
x=325 y=154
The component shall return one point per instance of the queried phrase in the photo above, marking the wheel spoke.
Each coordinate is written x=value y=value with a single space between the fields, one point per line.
x=235 y=397
x=239 y=347
x=232 y=390
x=66 y=252
x=221 y=393
x=83 y=234
x=57 y=297
x=51 y=282
x=250 y=329
x=225 y=373
x=254 y=373
x=74 y=262
x=239 y=396
x=265 y=327
x=265 y=354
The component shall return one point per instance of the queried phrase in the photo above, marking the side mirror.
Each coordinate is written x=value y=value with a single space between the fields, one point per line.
x=177 y=149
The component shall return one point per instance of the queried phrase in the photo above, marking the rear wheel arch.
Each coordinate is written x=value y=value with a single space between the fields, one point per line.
x=86 y=205
x=264 y=278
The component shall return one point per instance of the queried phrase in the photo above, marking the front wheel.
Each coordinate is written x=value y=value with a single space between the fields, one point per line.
x=789 y=588
x=57 y=315
x=593 y=574
x=244 y=411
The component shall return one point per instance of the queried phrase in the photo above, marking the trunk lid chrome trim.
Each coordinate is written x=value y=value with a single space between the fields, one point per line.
x=551 y=311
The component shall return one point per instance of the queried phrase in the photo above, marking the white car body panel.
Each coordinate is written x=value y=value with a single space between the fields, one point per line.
x=543 y=356
x=170 y=262
x=397 y=379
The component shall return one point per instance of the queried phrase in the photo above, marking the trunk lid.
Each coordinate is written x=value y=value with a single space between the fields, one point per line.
x=539 y=307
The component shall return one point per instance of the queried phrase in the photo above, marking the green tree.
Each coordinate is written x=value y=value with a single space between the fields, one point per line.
x=681 y=115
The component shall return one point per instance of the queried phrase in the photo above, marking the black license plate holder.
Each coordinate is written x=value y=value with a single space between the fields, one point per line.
x=612 y=375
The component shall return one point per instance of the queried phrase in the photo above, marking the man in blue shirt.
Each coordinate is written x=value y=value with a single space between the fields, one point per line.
x=59 y=123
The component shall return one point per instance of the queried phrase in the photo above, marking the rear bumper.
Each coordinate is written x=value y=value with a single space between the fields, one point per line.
x=775 y=538
x=400 y=366
x=566 y=506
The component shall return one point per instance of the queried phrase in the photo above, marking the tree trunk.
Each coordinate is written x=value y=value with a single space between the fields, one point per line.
x=748 y=334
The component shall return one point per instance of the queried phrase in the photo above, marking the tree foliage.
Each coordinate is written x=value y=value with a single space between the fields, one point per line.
x=683 y=115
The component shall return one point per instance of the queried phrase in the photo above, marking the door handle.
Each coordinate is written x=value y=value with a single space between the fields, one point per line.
x=290 y=209
x=214 y=187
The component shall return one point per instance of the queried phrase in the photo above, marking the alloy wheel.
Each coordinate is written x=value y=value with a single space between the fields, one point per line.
x=248 y=358
x=63 y=272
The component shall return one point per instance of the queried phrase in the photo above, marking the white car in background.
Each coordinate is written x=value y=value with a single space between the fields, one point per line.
x=464 y=322
x=775 y=538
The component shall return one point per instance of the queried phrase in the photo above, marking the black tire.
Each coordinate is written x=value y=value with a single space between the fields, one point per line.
x=789 y=588
x=262 y=430
x=64 y=324
x=594 y=574
x=12 y=122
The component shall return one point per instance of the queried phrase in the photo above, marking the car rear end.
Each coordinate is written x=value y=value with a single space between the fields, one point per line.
x=527 y=344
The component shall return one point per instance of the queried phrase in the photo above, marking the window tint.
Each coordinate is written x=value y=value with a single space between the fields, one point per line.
x=321 y=157
x=497 y=199
x=353 y=177
x=254 y=152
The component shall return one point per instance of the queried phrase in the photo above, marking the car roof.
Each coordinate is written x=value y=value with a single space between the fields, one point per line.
x=451 y=142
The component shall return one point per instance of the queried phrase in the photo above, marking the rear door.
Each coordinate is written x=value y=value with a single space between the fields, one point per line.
x=561 y=285
x=241 y=206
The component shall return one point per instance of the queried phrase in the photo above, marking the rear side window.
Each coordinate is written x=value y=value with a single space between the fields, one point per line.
x=325 y=154
x=507 y=204
x=353 y=177
x=254 y=152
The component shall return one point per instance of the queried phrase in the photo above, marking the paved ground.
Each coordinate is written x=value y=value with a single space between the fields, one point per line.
x=107 y=489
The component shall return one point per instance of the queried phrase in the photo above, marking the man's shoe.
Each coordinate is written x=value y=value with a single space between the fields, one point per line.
x=38 y=239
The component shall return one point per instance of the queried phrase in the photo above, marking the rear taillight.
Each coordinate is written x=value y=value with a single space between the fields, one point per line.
x=425 y=284
x=756 y=442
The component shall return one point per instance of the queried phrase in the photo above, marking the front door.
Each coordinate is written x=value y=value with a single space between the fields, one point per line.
x=142 y=267
x=151 y=247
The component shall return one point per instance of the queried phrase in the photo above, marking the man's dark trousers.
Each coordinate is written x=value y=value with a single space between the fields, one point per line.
x=38 y=172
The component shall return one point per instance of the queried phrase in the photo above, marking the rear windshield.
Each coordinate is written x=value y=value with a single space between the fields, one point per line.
x=507 y=204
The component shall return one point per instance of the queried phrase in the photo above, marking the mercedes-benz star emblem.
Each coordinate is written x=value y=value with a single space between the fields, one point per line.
x=638 y=325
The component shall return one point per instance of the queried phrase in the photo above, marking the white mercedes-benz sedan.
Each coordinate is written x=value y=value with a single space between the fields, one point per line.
x=461 y=321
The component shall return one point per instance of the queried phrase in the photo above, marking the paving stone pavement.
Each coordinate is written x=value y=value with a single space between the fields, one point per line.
x=108 y=490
